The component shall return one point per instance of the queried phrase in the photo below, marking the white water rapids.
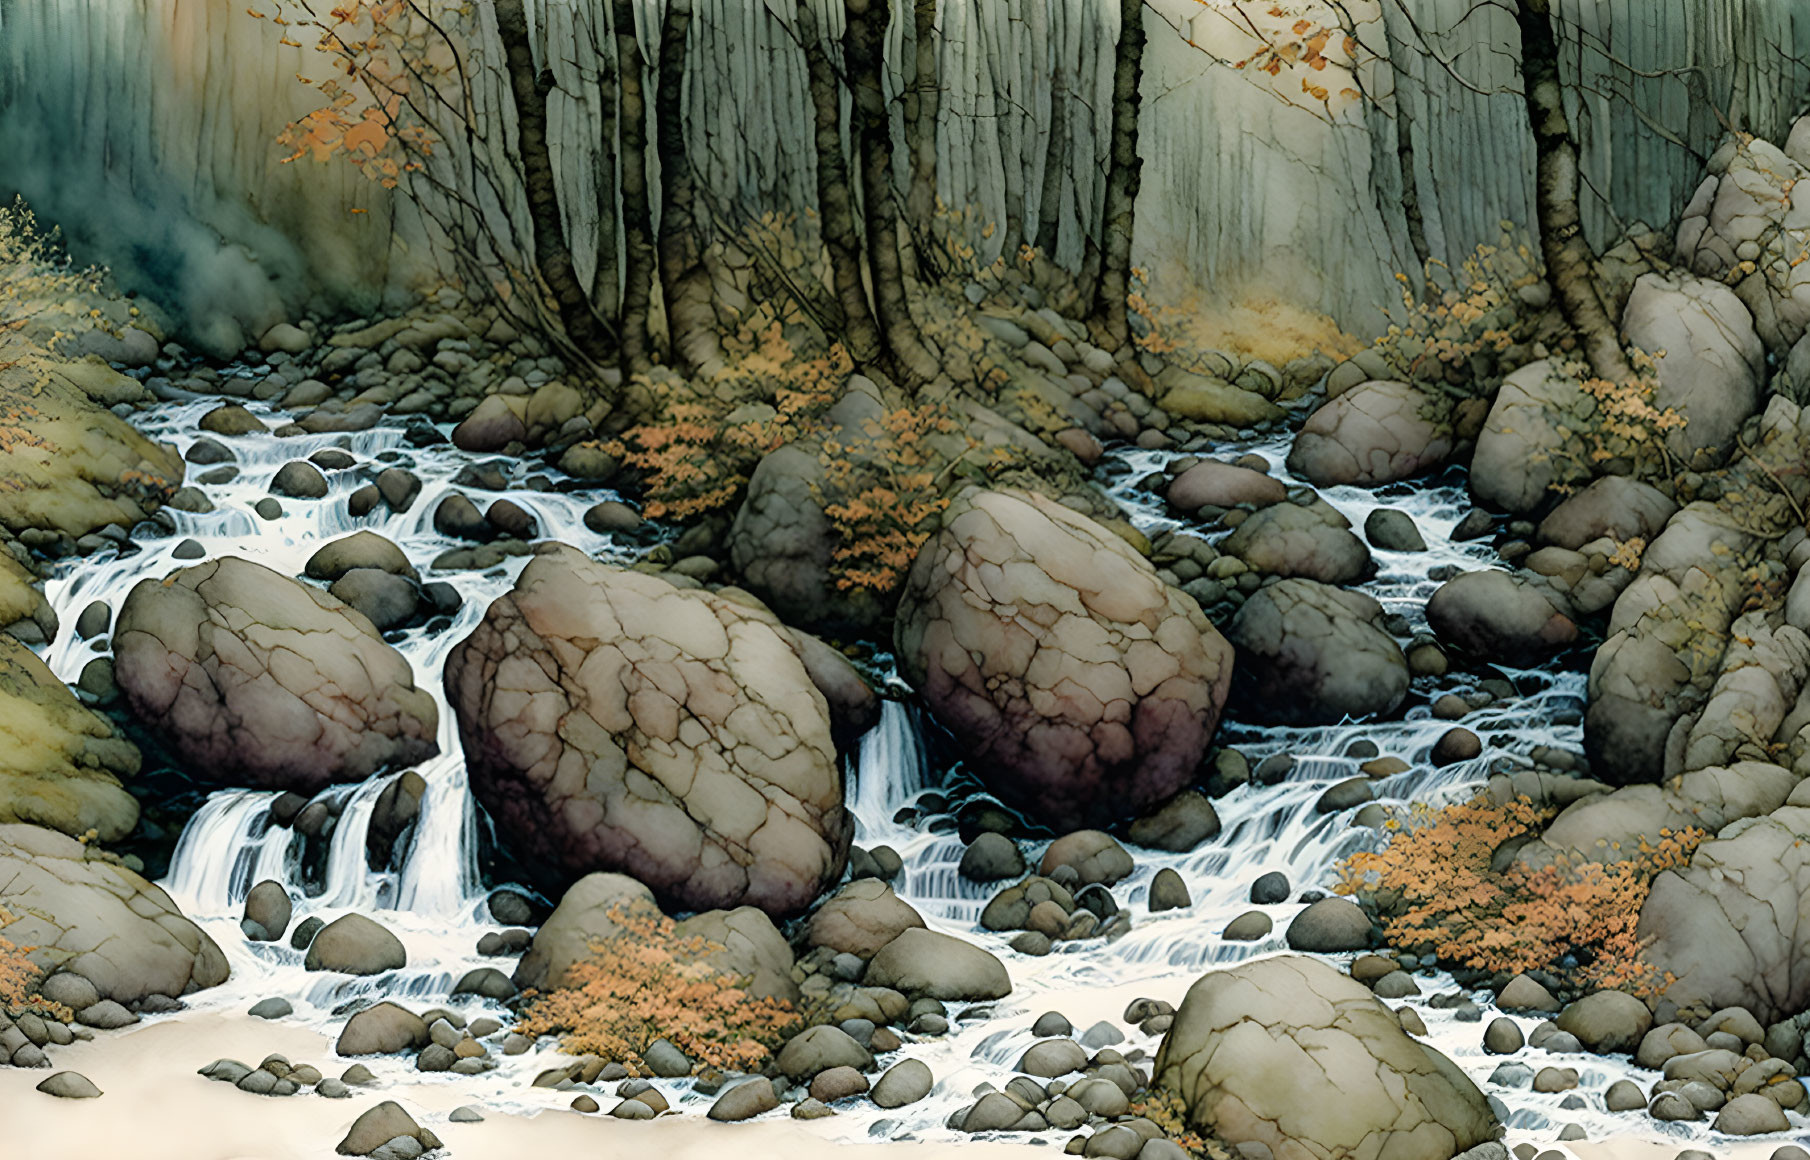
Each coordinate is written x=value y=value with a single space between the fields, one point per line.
x=435 y=903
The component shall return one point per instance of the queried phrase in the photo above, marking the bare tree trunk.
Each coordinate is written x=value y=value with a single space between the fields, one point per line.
x=863 y=55
x=637 y=216
x=835 y=197
x=1123 y=177
x=922 y=107
x=605 y=296
x=1410 y=194
x=552 y=254
x=1049 y=204
x=1570 y=263
x=690 y=310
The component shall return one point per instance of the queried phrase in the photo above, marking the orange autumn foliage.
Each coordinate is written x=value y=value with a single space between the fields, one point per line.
x=696 y=461
x=380 y=56
x=1434 y=890
x=647 y=982
x=882 y=492
x=18 y=977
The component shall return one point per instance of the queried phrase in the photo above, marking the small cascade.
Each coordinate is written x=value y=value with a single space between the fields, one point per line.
x=433 y=897
x=891 y=769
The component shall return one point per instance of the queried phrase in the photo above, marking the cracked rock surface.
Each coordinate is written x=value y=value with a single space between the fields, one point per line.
x=89 y=915
x=1080 y=686
x=1734 y=925
x=266 y=682
x=1377 y=432
x=614 y=721
x=1312 y=654
x=1289 y=1053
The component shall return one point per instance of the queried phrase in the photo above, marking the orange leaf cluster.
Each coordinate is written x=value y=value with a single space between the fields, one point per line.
x=883 y=494
x=648 y=982
x=381 y=54
x=1434 y=890
x=18 y=977
x=695 y=462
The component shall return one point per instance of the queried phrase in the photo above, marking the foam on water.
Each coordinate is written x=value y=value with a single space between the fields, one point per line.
x=435 y=899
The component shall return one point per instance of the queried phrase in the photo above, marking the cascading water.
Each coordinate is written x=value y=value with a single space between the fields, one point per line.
x=435 y=899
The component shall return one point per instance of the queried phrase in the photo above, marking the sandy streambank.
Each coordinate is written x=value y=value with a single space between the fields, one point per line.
x=155 y=1107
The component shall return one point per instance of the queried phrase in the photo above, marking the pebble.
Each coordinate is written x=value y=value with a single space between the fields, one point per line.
x=69 y=1085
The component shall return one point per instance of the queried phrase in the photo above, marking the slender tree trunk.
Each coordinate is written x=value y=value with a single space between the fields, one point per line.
x=922 y=108
x=1410 y=194
x=1570 y=263
x=684 y=279
x=552 y=254
x=863 y=55
x=1122 y=178
x=606 y=297
x=637 y=216
x=1049 y=203
x=835 y=197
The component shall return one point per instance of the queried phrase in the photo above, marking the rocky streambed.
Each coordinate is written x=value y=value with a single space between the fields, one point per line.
x=411 y=850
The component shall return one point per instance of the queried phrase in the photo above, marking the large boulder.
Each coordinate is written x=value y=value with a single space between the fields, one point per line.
x=588 y=911
x=1293 y=1055
x=783 y=544
x=60 y=762
x=929 y=964
x=25 y=614
x=256 y=679
x=1747 y=226
x=1313 y=541
x=70 y=465
x=613 y=721
x=747 y=944
x=1311 y=654
x=355 y=945
x=861 y=918
x=1614 y=506
x=1659 y=662
x=1527 y=445
x=1711 y=363
x=84 y=913
x=1498 y=618
x=1214 y=484
x=1080 y=686
x=1733 y=927
x=1377 y=432
x=1612 y=827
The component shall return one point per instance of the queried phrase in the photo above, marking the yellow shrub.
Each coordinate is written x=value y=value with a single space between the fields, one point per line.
x=18 y=975
x=1434 y=890
x=883 y=494
x=646 y=983
x=696 y=462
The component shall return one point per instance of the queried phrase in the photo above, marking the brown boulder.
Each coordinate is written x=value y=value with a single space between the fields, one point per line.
x=613 y=721
x=861 y=918
x=1377 y=432
x=1079 y=685
x=1290 y=1054
x=255 y=679
x=1311 y=654
x=1223 y=485
x=1314 y=542
x=1499 y=618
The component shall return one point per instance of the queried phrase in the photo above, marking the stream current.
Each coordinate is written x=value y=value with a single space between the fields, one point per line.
x=436 y=900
